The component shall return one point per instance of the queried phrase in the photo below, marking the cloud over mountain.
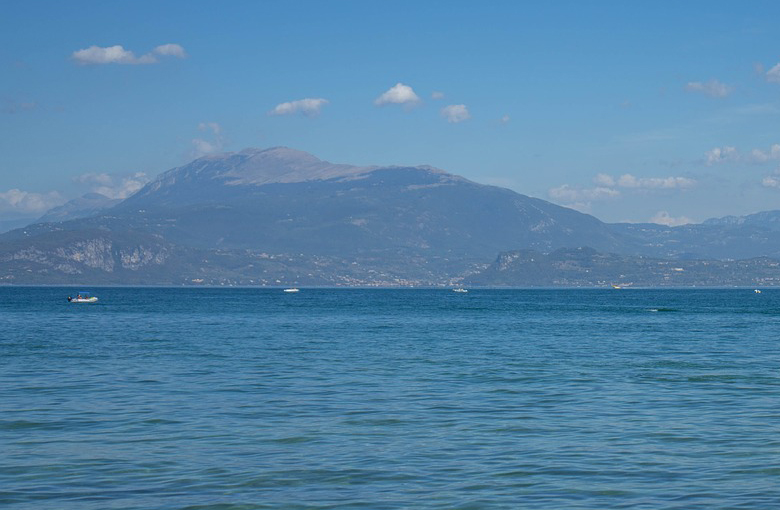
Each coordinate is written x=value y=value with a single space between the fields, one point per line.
x=201 y=146
x=664 y=218
x=609 y=187
x=25 y=202
x=113 y=186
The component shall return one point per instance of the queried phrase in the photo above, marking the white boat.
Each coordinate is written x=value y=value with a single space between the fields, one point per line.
x=82 y=297
x=459 y=289
x=293 y=289
x=757 y=291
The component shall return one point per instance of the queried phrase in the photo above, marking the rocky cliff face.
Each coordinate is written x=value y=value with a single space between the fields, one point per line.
x=107 y=254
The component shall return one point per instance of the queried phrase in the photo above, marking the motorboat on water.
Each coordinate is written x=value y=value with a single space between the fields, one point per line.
x=459 y=289
x=82 y=297
x=292 y=289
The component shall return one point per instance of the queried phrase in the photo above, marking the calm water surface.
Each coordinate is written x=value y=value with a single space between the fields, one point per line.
x=390 y=399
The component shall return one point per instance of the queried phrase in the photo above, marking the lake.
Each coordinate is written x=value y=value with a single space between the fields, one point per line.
x=198 y=398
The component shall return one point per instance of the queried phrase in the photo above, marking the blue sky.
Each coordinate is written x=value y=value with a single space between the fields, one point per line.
x=668 y=111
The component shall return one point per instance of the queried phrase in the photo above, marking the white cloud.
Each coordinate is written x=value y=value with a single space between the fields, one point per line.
x=608 y=187
x=398 y=94
x=604 y=180
x=721 y=155
x=95 y=55
x=712 y=88
x=504 y=119
x=437 y=95
x=24 y=202
x=773 y=74
x=201 y=146
x=455 y=113
x=629 y=181
x=172 y=50
x=213 y=126
x=771 y=181
x=570 y=194
x=310 y=107
x=728 y=154
x=664 y=218
x=759 y=156
x=113 y=186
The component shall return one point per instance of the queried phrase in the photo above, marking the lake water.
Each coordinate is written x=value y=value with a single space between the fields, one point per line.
x=389 y=399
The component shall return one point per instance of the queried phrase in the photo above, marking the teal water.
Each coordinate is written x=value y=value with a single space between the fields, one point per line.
x=389 y=399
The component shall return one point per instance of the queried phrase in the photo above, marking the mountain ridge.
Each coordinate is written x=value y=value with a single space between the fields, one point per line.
x=222 y=216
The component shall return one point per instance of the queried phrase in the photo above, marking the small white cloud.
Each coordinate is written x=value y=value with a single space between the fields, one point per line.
x=171 y=50
x=113 y=186
x=712 y=88
x=629 y=181
x=759 y=156
x=201 y=147
x=24 y=202
x=721 y=155
x=604 y=180
x=608 y=187
x=398 y=94
x=570 y=194
x=96 y=55
x=210 y=126
x=437 y=95
x=773 y=75
x=771 y=181
x=504 y=119
x=664 y=218
x=309 y=107
x=455 y=113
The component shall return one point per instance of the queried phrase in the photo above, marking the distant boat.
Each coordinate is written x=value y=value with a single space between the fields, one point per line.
x=757 y=291
x=82 y=297
x=617 y=287
x=292 y=289
x=459 y=289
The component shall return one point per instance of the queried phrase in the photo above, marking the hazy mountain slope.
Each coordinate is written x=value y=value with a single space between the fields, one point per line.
x=585 y=267
x=700 y=241
x=769 y=220
x=280 y=199
x=82 y=207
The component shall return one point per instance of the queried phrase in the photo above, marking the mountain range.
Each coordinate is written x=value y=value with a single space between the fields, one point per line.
x=280 y=216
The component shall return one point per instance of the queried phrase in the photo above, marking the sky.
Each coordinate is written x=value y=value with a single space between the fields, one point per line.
x=658 y=111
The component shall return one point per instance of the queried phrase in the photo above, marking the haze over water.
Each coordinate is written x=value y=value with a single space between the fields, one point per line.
x=389 y=399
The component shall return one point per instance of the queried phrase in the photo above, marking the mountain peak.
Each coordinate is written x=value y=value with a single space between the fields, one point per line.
x=282 y=165
x=280 y=152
